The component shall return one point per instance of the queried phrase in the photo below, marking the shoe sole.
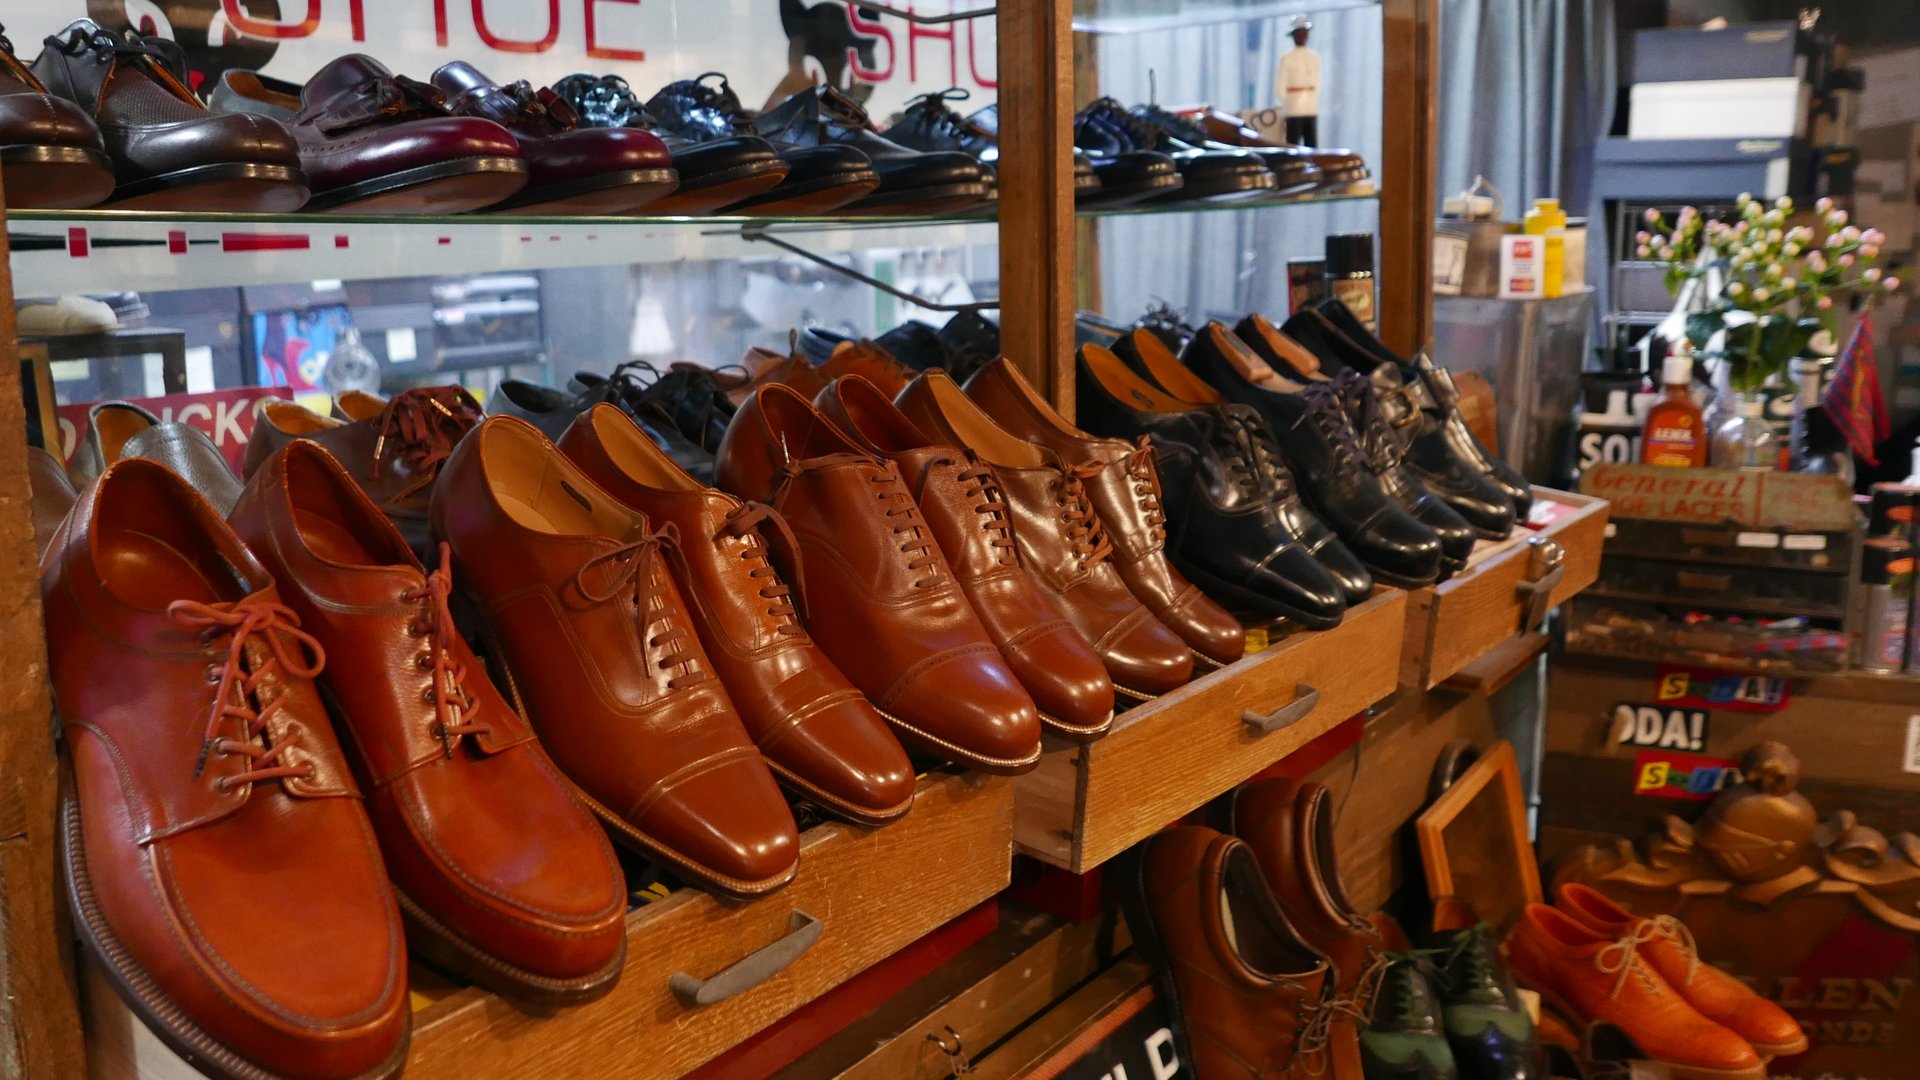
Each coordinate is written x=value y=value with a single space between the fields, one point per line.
x=1769 y=1051
x=602 y=193
x=446 y=949
x=231 y=187
x=622 y=833
x=705 y=194
x=1107 y=197
x=55 y=177
x=937 y=199
x=137 y=988
x=1400 y=581
x=1243 y=185
x=1129 y=868
x=444 y=187
x=1247 y=598
x=1078 y=733
x=818 y=196
x=1676 y=1070
x=949 y=752
x=859 y=815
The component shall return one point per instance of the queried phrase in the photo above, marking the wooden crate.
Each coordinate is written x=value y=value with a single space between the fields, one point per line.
x=874 y=891
x=1478 y=610
x=1163 y=759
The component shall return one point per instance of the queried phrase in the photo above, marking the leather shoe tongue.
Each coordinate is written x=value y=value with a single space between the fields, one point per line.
x=341 y=76
x=458 y=77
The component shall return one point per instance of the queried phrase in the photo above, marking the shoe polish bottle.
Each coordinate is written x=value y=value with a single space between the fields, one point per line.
x=1676 y=433
x=1350 y=273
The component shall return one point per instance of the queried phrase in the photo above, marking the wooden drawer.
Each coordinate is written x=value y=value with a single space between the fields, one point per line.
x=1086 y=804
x=1481 y=608
x=874 y=891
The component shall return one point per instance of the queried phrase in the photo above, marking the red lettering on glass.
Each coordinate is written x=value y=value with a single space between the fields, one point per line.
x=872 y=28
x=915 y=32
x=608 y=52
x=973 y=59
x=266 y=28
x=500 y=44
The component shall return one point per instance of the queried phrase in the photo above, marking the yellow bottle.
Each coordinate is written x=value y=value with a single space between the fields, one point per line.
x=1548 y=221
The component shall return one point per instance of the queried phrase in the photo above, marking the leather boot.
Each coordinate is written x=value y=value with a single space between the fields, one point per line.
x=501 y=874
x=1243 y=531
x=1666 y=945
x=820 y=737
x=974 y=530
x=1406 y=1039
x=392 y=448
x=879 y=596
x=1062 y=540
x=594 y=644
x=1250 y=997
x=217 y=854
x=1288 y=825
x=1126 y=493
x=1593 y=977
x=1313 y=429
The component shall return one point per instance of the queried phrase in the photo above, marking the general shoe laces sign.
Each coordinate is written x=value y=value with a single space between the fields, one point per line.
x=769 y=48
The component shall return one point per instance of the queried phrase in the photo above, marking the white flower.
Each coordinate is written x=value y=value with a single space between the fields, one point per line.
x=1774 y=236
x=1891 y=283
x=1643 y=236
x=1787 y=284
x=1825 y=303
x=1825 y=204
x=1869 y=252
x=1834 y=240
x=1871 y=276
x=1643 y=251
x=1783 y=204
x=1774 y=270
x=1817 y=263
x=1745 y=198
x=1666 y=252
x=1873 y=236
x=1836 y=219
x=1734 y=288
x=1652 y=215
x=1791 y=250
x=1850 y=234
x=1845 y=260
x=1761 y=293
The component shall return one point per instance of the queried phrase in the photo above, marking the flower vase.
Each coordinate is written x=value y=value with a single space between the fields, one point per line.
x=1746 y=440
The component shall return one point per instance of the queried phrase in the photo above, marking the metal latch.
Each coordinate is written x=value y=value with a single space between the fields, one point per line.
x=1546 y=567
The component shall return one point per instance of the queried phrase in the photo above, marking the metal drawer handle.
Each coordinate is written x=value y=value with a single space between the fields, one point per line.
x=802 y=931
x=1305 y=698
x=1546 y=568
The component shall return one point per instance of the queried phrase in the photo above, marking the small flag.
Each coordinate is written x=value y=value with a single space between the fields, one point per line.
x=1853 y=400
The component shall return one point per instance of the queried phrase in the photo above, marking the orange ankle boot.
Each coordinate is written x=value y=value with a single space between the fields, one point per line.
x=1589 y=976
x=1667 y=946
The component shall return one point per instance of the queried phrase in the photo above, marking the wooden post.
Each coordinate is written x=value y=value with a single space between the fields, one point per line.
x=1408 y=201
x=1036 y=194
x=39 y=1017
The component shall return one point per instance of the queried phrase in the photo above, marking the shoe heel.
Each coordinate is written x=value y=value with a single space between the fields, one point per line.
x=1128 y=872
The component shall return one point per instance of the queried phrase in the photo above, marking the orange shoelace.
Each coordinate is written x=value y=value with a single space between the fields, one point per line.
x=628 y=570
x=426 y=422
x=455 y=709
x=1085 y=533
x=276 y=630
x=1142 y=465
x=743 y=522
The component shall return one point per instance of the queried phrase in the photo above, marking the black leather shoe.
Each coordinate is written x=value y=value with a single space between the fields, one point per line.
x=693 y=400
x=1241 y=532
x=819 y=178
x=1442 y=448
x=1488 y=1027
x=553 y=411
x=714 y=172
x=1310 y=424
x=1405 y=1040
x=1105 y=129
x=930 y=123
x=1147 y=355
x=911 y=182
x=1293 y=171
x=972 y=339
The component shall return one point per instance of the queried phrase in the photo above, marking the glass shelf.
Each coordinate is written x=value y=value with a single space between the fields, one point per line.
x=1144 y=16
x=1348 y=195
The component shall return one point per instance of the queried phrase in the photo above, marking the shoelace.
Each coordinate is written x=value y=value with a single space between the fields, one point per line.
x=744 y=522
x=1622 y=958
x=941 y=116
x=1085 y=532
x=1269 y=464
x=1173 y=123
x=721 y=100
x=105 y=45
x=1366 y=989
x=904 y=514
x=1328 y=414
x=1142 y=465
x=1162 y=315
x=628 y=570
x=1313 y=1031
x=455 y=709
x=426 y=422
x=1142 y=133
x=983 y=492
x=1377 y=437
x=276 y=629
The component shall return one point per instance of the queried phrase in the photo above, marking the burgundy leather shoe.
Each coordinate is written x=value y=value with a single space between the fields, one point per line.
x=972 y=525
x=52 y=152
x=169 y=153
x=217 y=855
x=502 y=876
x=819 y=735
x=878 y=595
x=1062 y=540
x=594 y=643
x=378 y=143
x=572 y=168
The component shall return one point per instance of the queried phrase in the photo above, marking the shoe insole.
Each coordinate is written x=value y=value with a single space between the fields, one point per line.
x=1243 y=359
x=1167 y=370
x=634 y=454
x=147 y=572
x=1118 y=380
x=1292 y=353
x=332 y=541
x=975 y=429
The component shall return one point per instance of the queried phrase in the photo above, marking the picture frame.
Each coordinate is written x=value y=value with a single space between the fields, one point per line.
x=37 y=398
x=1474 y=843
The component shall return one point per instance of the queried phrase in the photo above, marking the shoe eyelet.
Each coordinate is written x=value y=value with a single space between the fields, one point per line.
x=220 y=785
x=213 y=675
x=428 y=695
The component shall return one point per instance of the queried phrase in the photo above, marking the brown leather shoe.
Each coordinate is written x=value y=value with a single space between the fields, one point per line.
x=1126 y=495
x=594 y=643
x=392 y=448
x=50 y=493
x=502 y=875
x=1288 y=824
x=53 y=156
x=870 y=362
x=1253 y=999
x=218 y=857
x=768 y=368
x=1062 y=540
x=820 y=736
x=879 y=596
x=974 y=529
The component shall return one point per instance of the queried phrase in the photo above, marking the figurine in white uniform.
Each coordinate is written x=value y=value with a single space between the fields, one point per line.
x=1298 y=87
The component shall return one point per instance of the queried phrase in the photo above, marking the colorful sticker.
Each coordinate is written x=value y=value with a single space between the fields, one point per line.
x=1635 y=724
x=1672 y=775
x=1695 y=688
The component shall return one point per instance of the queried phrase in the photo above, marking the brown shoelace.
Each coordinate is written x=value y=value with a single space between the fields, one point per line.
x=276 y=630
x=455 y=709
x=982 y=490
x=1314 y=1031
x=629 y=569
x=1085 y=533
x=904 y=515
x=426 y=422
x=1141 y=464
x=743 y=522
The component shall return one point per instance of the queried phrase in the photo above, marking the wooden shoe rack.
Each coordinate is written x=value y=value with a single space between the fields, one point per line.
x=865 y=894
